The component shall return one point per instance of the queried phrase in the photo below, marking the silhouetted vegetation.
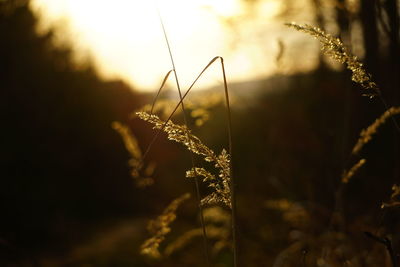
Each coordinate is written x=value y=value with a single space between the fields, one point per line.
x=63 y=167
x=69 y=189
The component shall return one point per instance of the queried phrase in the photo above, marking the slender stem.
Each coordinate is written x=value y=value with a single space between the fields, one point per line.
x=233 y=185
x=191 y=155
x=159 y=91
x=176 y=108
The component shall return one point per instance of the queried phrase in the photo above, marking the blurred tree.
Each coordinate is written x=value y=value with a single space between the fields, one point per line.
x=392 y=11
x=62 y=165
x=319 y=22
x=343 y=20
x=370 y=35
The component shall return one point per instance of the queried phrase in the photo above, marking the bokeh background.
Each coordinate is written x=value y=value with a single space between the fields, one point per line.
x=66 y=194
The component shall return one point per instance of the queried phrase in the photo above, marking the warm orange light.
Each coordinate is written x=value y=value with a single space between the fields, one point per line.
x=124 y=37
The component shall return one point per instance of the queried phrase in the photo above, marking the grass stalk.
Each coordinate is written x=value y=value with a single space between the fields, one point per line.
x=233 y=185
x=226 y=91
x=196 y=179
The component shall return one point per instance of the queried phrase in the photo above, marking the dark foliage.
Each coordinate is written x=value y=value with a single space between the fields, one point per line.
x=62 y=166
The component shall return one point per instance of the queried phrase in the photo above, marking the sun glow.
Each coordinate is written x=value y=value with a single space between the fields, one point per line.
x=124 y=38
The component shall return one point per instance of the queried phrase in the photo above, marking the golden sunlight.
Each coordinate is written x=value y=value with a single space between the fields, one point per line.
x=124 y=38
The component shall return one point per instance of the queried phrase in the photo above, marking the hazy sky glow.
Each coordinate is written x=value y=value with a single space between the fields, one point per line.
x=124 y=38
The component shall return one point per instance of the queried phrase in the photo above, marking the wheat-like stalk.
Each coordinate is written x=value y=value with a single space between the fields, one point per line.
x=142 y=176
x=221 y=187
x=217 y=221
x=159 y=228
x=130 y=141
x=347 y=175
x=181 y=134
x=394 y=202
x=366 y=134
x=334 y=48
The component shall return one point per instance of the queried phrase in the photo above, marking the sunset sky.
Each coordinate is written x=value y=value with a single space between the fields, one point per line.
x=124 y=38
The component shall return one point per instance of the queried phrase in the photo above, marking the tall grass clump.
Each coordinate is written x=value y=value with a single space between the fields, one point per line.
x=334 y=48
x=213 y=169
x=221 y=184
x=221 y=187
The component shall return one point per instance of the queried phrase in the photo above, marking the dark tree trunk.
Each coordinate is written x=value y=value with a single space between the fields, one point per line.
x=319 y=19
x=343 y=21
x=391 y=7
x=370 y=36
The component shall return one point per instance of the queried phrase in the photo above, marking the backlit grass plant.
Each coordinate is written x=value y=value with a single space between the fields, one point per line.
x=221 y=184
x=218 y=208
